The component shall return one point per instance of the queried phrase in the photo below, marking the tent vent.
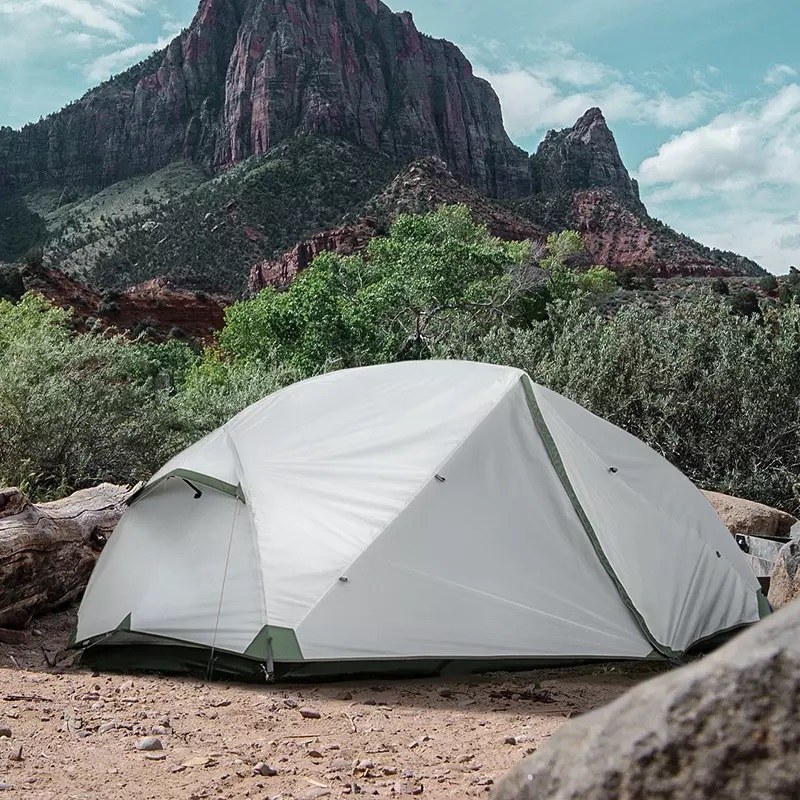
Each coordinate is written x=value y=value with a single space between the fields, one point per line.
x=613 y=470
x=344 y=579
x=440 y=479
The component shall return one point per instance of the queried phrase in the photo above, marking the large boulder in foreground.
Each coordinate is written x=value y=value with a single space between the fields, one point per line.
x=48 y=551
x=748 y=517
x=725 y=727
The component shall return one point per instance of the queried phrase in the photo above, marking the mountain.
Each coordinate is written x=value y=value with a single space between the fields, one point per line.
x=579 y=181
x=249 y=74
x=275 y=127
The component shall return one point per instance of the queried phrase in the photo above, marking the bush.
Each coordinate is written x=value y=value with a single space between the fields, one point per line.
x=11 y=283
x=769 y=284
x=80 y=409
x=720 y=286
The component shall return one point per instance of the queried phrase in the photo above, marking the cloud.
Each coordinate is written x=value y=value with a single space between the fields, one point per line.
x=558 y=84
x=753 y=145
x=780 y=73
x=105 y=16
x=118 y=60
x=733 y=183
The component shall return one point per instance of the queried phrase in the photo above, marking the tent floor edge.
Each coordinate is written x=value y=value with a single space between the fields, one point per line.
x=140 y=653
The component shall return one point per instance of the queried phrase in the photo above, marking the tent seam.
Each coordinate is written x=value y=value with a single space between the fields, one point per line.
x=558 y=465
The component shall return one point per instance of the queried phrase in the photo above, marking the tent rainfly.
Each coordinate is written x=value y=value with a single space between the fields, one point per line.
x=419 y=517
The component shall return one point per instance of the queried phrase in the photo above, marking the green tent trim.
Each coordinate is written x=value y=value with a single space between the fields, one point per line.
x=558 y=465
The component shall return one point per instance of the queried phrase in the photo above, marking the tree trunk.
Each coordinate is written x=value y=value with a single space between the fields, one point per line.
x=48 y=551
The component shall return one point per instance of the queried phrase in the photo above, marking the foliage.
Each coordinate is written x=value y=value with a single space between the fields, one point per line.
x=12 y=286
x=78 y=409
x=711 y=381
x=208 y=238
x=20 y=228
x=394 y=302
x=769 y=283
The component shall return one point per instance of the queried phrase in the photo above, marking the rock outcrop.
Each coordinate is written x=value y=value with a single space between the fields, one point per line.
x=155 y=305
x=423 y=186
x=784 y=584
x=584 y=156
x=748 y=517
x=48 y=551
x=724 y=727
x=248 y=74
x=579 y=181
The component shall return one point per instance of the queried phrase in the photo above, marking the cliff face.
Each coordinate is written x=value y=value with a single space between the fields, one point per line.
x=248 y=74
x=584 y=156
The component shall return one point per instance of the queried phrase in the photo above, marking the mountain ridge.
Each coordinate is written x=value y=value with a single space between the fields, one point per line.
x=250 y=81
x=247 y=74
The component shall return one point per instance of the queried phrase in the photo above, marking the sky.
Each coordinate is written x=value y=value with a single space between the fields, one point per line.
x=703 y=96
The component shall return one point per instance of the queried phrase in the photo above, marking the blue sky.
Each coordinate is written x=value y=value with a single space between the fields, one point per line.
x=702 y=95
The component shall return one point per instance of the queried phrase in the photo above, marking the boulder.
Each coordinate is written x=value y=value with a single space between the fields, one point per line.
x=727 y=726
x=48 y=551
x=784 y=583
x=746 y=516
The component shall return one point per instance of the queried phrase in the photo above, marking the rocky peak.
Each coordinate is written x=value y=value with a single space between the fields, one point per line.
x=248 y=74
x=584 y=156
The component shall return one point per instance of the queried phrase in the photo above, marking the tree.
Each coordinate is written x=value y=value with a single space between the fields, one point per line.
x=745 y=302
x=769 y=284
x=391 y=303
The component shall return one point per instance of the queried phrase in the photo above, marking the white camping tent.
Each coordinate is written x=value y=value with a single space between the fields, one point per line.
x=409 y=516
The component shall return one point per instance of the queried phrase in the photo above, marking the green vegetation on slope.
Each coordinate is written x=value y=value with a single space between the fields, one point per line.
x=208 y=237
x=712 y=385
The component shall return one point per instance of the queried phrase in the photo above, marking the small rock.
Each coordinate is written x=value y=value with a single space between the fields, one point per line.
x=149 y=743
x=5 y=787
x=446 y=693
x=510 y=740
x=155 y=756
x=106 y=727
x=407 y=788
x=5 y=732
x=315 y=754
x=125 y=687
x=264 y=769
x=333 y=746
x=160 y=730
x=365 y=765
x=310 y=713
x=198 y=761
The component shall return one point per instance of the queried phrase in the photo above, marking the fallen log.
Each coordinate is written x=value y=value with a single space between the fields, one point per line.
x=48 y=551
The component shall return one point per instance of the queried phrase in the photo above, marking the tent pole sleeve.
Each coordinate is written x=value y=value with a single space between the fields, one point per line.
x=558 y=465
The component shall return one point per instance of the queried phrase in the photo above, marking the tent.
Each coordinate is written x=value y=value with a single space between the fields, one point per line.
x=415 y=517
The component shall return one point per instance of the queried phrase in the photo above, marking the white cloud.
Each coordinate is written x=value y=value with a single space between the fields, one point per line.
x=780 y=73
x=109 y=17
x=753 y=145
x=559 y=84
x=118 y=60
x=733 y=183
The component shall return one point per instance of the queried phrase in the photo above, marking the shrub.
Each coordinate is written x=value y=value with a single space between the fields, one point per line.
x=79 y=408
x=769 y=284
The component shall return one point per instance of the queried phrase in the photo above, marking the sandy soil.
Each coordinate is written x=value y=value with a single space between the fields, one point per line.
x=73 y=735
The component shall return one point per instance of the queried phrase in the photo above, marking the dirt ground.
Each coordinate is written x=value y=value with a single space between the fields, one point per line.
x=68 y=734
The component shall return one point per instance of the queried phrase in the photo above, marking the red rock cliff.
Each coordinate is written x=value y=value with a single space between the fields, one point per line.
x=249 y=73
